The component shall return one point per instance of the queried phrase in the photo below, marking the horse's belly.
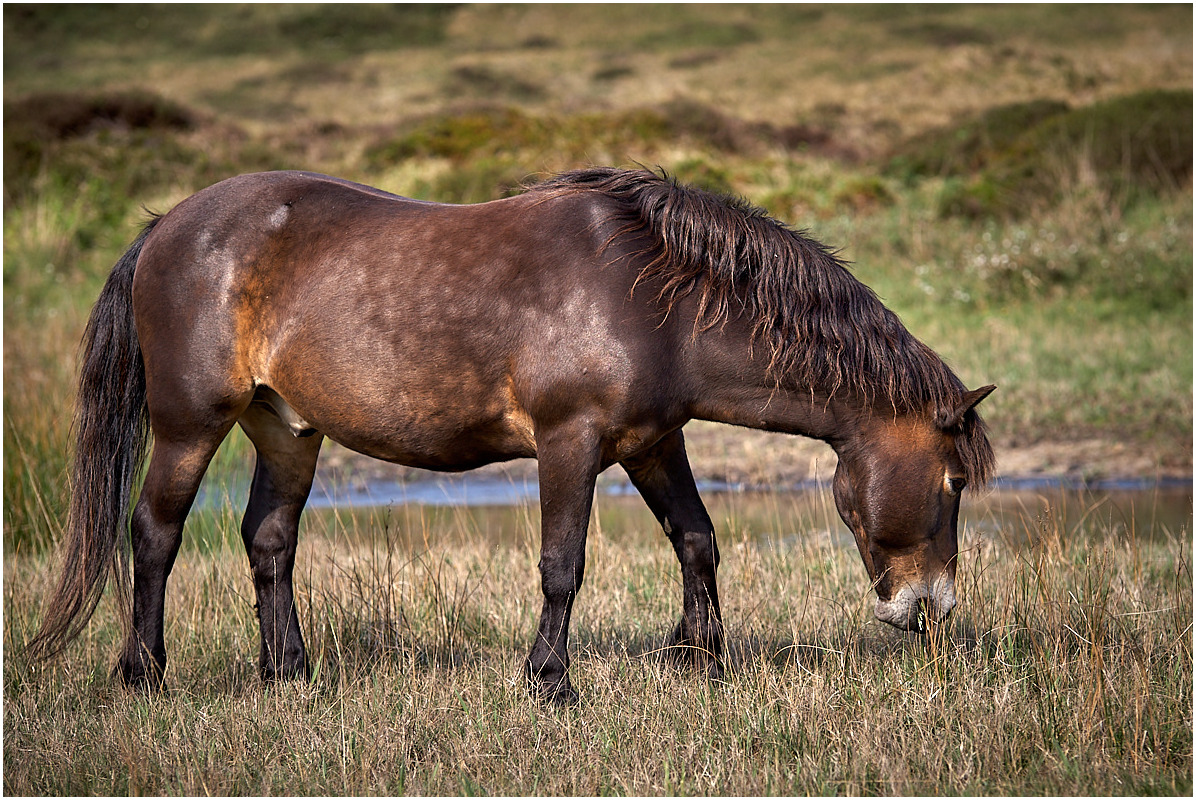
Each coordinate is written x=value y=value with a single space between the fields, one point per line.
x=445 y=450
x=429 y=436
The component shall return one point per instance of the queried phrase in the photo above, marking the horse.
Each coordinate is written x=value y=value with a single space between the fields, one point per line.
x=582 y=322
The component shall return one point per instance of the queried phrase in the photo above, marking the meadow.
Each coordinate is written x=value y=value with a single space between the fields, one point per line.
x=1014 y=181
x=1066 y=670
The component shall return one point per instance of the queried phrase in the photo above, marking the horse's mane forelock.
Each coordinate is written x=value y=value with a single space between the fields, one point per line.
x=822 y=327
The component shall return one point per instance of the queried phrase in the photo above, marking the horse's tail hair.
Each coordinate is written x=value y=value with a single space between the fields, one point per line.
x=111 y=428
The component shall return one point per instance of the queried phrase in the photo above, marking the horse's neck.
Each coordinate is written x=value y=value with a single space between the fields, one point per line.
x=728 y=382
x=830 y=417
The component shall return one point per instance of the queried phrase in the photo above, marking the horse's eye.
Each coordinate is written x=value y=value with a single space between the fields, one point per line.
x=955 y=485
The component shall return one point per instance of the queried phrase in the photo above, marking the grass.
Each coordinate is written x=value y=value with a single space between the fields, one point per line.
x=1067 y=669
x=917 y=140
x=1014 y=160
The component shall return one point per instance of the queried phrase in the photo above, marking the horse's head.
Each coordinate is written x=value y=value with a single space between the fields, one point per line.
x=899 y=493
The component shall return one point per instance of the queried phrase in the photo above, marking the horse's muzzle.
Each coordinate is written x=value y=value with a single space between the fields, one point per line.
x=913 y=608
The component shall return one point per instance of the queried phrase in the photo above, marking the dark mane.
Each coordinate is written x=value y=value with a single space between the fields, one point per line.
x=821 y=326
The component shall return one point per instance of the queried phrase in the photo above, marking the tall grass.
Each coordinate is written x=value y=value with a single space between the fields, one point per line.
x=1067 y=669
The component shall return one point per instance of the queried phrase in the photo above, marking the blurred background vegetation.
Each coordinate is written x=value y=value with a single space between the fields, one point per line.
x=1014 y=181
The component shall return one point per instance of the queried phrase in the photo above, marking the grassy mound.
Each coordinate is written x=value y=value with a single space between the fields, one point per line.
x=972 y=145
x=36 y=126
x=1021 y=158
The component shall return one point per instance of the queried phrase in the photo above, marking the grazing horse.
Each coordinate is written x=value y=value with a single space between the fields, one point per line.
x=582 y=323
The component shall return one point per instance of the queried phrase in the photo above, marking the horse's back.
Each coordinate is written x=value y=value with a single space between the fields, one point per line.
x=223 y=275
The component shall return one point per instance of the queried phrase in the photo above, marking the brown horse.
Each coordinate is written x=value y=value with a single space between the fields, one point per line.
x=582 y=323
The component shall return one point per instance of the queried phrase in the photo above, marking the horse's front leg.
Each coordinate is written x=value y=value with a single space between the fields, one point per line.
x=664 y=479
x=569 y=465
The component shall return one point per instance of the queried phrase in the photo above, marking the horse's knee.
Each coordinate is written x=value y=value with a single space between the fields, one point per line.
x=561 y=578
x=271 y=551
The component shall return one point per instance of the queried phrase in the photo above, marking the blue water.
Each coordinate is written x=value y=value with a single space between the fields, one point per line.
x=1143 y=507
x=466 y=490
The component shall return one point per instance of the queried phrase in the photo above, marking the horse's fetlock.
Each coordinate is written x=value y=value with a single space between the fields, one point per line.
x=142 y=674
x=550 y=684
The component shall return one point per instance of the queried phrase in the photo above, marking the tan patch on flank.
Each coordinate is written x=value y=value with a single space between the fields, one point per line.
x=517 y=418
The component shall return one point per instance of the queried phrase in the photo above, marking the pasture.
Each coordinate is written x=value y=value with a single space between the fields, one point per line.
x=1066 y=669
x=1015 y=182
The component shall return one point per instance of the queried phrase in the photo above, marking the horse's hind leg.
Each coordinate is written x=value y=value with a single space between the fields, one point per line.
x=664 y=479
x=281 y=482
x=175 y=470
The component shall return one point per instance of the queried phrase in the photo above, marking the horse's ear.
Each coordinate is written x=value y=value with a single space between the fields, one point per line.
x=970 y=400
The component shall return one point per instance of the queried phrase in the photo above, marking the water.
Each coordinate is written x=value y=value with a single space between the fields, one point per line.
x=460 y=490
x=448 y=490
x=1134 y=509
x=1014 y=509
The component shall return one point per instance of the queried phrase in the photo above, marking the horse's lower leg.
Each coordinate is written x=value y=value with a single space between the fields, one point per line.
x=664 y=479
x=568 y=468
x=171 y=482
x=281 y=482
x=698 y=636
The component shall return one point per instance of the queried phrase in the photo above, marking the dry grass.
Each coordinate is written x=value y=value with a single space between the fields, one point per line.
x=1066 y=670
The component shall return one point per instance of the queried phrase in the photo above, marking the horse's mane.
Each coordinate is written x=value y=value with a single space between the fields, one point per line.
x=821 y=326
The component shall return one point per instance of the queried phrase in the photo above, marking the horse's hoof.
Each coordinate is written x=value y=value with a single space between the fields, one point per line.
x=136 y=678
x=562 y=695
x=294 y=672
x=559 y=693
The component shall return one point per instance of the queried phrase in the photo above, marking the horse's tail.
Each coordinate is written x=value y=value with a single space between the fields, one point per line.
x=111 y=428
